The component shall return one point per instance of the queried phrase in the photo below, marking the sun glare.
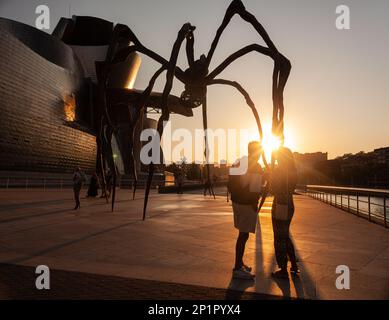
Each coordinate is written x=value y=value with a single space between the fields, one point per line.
x=271 y=142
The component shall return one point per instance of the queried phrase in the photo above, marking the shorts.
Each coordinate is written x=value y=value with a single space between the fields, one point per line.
x=245 y=217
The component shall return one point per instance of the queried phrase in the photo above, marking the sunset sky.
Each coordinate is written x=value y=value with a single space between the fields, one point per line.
x=337 y=97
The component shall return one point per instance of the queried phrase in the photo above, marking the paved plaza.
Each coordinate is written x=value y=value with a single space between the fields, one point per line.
x=186 y=245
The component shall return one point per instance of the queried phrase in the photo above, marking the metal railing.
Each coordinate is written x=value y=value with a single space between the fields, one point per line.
x=62 y=183
x=45 y=183
x=372 y=204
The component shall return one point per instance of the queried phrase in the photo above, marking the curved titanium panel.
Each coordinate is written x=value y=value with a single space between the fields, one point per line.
x=45 y=45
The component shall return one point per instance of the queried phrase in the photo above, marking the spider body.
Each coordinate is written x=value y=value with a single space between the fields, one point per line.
x=195 y=83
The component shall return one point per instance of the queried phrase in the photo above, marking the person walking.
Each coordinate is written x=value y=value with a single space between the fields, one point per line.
x=180 y=182
x=283 y=183
x=245 y=190
x=78 y=180
x=93 y=185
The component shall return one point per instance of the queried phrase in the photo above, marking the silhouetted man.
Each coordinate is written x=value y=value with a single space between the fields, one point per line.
x=78 y=180
x=245 y=191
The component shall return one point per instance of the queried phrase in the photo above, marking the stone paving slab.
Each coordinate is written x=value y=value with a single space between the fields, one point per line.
x=17 y=282
x=190 y=239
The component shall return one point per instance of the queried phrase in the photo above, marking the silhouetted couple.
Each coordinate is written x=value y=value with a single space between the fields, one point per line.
x=246 y=189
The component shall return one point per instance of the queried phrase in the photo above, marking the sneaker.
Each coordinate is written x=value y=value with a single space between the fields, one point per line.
x=280 y=274
x=242 y=273
x=294 y=270
x=247 y=268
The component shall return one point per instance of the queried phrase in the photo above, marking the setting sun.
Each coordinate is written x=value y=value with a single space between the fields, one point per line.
x=271 y=142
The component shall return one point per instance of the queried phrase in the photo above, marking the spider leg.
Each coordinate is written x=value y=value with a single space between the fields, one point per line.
x=171 y=69
x=238 y=54
x=109 y=130
x=281 y=73
x=190 y=48
x=132 y=128
x=124 y=32
x=208 y=184
x=118 y=51
x=100 y=156
x=284 y=72
x=249 y=102
x=281 y=68
x=103 y=154
x=237 y=7
x=102 y=69
x=133 y=165
x=111 y=163
x=139 y=119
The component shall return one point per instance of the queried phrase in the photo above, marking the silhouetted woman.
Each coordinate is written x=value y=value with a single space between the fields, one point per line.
x=284 y=179
x=93 y=185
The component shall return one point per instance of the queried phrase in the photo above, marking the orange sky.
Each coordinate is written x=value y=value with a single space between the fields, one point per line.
x=337 y=96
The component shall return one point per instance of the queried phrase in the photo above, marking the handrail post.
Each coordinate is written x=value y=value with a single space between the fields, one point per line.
x=357 y=205
x=348 y=202
x=341 y=201
x=385 y=212
x=368 y=201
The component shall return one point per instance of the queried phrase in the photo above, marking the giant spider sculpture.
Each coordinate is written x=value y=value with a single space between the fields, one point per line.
x=196 y=79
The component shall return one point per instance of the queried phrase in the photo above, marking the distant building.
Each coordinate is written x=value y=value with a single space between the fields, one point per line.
x=308 y=160
x=362 y=169
x=305 y=164
x=382 y=155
